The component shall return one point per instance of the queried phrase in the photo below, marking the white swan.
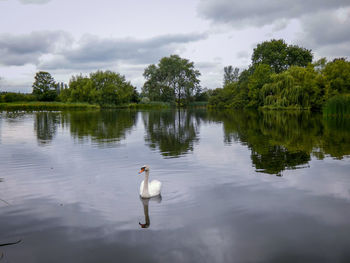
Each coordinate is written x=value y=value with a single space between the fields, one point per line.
x=149 y=189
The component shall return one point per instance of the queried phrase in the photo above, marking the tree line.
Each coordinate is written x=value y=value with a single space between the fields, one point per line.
x=174 y=80
x=283 y=76
x=279 y=76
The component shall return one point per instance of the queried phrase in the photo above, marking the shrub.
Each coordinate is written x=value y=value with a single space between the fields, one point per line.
x=338 y=105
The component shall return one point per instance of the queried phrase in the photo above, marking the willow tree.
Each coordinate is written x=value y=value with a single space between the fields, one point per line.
x=173 y=79
x=297 y=87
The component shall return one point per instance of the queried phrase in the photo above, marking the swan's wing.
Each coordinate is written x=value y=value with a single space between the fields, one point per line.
x=141 y=187
x=154 y=187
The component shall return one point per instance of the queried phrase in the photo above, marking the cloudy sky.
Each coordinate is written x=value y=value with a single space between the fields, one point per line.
x=68 y=37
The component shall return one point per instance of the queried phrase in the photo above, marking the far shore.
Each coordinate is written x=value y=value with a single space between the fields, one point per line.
x=54 y=105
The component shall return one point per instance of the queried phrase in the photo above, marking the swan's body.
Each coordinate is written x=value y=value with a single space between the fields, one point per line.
x=149 y=189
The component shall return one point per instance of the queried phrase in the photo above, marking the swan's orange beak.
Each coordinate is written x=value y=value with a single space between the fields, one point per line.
x=141 y=171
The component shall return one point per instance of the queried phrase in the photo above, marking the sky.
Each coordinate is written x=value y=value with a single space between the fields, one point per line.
x=70 y=37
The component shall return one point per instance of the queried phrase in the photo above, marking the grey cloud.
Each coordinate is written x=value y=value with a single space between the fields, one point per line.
x=58 y=50
x=326 y=28
x=27 y=49
x=327 y=33
x=207 y=65
x=34 y=2
x=15 y=86
x=95 y=52
x=242 y=54
x=263 y=12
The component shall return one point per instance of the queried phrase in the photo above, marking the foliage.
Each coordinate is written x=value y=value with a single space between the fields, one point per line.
x=337 y=76
x=338 y=105
x=40 y=105
x=282 y=77
x=174 y=79
x=260 y=76
x=230 y=75
x=15 y=97
x=44 y=86
x=111 y=88
x=280 y=56
x=101 y=87
x=202 y=95
x=296 y=87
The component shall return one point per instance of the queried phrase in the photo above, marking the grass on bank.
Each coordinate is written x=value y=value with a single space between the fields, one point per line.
x=37 y=105
x=41 y=105
x=158 y=105
x=338 y=105
x=285 y=108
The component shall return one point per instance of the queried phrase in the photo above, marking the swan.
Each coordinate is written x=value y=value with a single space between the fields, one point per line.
x=149 y=189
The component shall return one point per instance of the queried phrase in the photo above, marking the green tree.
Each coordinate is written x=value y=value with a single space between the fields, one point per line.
x=44 y=86
x=230 y=75
x=261 y=76
x=173 y=79
x=280 y=56
x=337 y=75
x=101 y=87
x=111 y=87
x=233 y=94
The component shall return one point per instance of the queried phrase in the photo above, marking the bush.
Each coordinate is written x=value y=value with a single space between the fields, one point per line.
x=338 y=105
x=14 y=97
x=145 y=100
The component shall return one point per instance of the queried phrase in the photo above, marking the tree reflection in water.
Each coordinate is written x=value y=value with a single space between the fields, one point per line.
x=283 y=140
x=45 y=126
x=105 y=128
x=278 y=140
x=173 y=132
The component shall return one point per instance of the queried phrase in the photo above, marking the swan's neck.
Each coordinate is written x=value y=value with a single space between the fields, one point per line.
x=145 y=210
x=145 y=185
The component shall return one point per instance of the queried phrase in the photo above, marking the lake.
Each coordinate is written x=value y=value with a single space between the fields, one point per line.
x=237 y=187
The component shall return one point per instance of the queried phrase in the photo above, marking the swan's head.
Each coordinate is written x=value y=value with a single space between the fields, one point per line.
x=144 y=168
x=144 y=225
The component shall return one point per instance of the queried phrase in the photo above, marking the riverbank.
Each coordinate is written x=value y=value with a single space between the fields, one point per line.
x=39 y=105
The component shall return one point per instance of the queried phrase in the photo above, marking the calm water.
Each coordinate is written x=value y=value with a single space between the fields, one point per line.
x=237 y=187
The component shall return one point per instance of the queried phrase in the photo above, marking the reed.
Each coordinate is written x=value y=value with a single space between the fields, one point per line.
x=338 y=105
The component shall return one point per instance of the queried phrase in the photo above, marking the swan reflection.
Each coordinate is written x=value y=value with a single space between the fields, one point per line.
x=145 y=203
